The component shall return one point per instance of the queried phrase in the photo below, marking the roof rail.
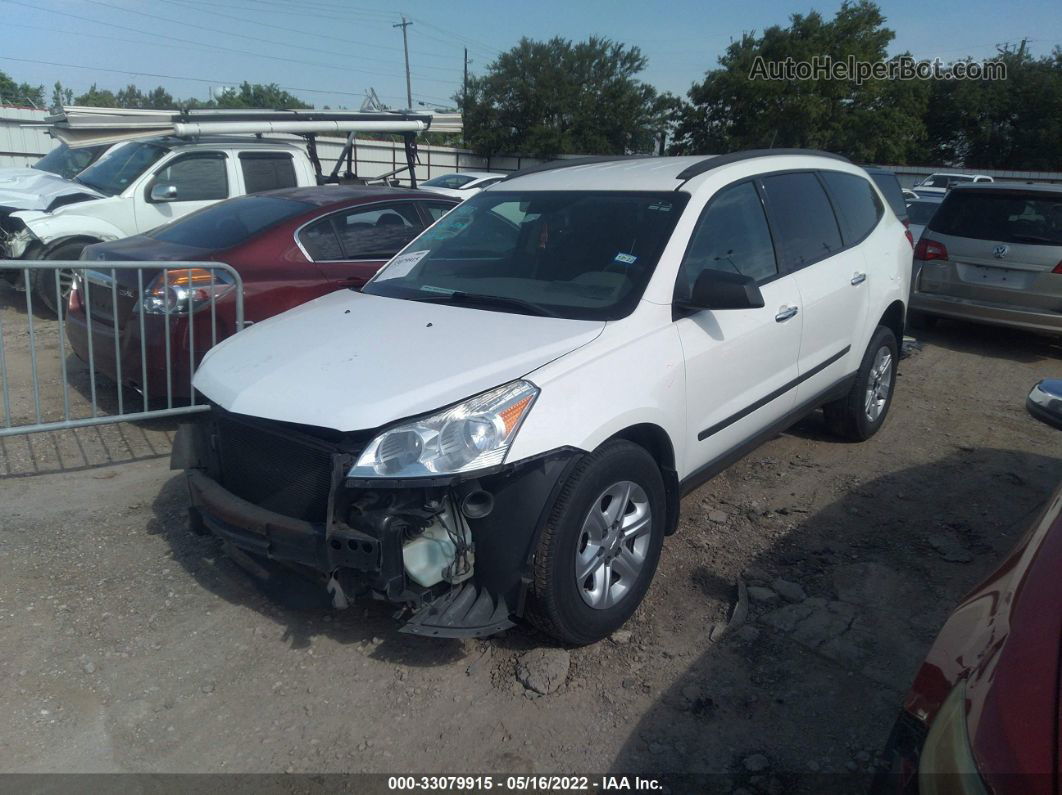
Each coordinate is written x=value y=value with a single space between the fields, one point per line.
x=571 y=162
x=735 y=157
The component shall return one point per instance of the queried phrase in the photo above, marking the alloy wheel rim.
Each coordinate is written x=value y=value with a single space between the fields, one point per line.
x=613 y=545
x=879 y=384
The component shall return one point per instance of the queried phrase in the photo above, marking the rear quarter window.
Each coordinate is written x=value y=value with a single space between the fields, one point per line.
x=1003 y=216
x=858 y=207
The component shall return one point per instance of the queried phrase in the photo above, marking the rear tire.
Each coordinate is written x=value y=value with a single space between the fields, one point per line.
x=617 y=548
x=859 y=414
x=44 y=280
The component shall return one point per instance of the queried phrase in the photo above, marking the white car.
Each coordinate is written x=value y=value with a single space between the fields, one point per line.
x=939 y=184
x=502 y=422
x=463 y=184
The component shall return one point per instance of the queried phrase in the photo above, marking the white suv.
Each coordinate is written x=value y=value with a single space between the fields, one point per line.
x=503 y=421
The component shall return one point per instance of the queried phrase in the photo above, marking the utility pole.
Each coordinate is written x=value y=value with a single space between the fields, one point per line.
x=464 y=90
x=405 y=46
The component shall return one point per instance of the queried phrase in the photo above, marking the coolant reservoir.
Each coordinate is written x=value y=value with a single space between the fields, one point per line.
x=428 y=555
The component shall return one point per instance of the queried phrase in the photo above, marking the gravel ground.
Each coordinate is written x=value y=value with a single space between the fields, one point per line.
x=132 y=645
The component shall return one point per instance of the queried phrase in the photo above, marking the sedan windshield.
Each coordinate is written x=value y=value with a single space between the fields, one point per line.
x=571 y=254
x=117 y=169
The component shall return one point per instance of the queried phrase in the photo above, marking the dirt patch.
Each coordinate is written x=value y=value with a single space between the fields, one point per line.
x=131 y=645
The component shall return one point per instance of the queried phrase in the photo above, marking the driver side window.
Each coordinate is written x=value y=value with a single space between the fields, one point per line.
x=197 y=177
x=732 y=236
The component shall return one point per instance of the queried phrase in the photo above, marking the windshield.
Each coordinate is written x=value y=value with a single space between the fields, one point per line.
x=117 y=169
x=571 y=254
x=66 y=162
x=921 y=212
x=229 y=223
x=451 y=181
x=1001 y=216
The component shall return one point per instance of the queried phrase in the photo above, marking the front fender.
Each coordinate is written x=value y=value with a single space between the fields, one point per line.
x=50 y=229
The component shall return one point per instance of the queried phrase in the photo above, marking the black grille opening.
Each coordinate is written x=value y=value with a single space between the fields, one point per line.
x=274 y=467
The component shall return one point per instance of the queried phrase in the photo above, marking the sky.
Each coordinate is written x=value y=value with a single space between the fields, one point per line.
x=330 y=51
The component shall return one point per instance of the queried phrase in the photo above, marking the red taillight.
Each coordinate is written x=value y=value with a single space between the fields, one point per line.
x=1058 y=267
x=910 y=237
x=930 y=250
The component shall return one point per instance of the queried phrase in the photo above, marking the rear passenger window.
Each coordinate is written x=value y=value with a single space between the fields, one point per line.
x=858 y=207
x=802 y=219
x=267 y=171
x=732 y=235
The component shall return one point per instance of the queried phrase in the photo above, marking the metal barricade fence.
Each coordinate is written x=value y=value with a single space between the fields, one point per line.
x=181 y=297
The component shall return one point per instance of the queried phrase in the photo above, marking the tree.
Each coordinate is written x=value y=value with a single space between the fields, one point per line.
x=257 y=95
x=1013 y=124
x=874 y=120
x=13 y=93
x=556 y=97
x=60 y=97
x=97 y=98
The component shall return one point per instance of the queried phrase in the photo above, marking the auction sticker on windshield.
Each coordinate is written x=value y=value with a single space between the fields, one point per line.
x=402 y=264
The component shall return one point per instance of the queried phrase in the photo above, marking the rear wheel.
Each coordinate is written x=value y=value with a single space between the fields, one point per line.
x=43 y=281
x=601 y=546
x=860 y=414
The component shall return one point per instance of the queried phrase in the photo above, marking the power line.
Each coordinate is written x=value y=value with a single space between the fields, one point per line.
x=179 y=4
x=213 y=80
x=217 y=46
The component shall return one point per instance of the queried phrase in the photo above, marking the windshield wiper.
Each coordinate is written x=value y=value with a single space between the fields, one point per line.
x=500 y=301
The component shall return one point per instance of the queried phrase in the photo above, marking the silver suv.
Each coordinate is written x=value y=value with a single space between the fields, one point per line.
x=992 y=253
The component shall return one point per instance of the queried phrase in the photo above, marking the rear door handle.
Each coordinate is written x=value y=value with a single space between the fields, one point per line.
x=858 y=278
x=785 y=313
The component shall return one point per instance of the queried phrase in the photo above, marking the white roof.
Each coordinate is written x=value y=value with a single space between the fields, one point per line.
x=661 y=173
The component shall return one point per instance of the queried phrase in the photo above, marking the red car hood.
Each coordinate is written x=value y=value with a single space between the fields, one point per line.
x=1005 y=639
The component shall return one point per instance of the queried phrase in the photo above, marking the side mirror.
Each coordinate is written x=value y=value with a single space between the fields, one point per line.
x=161 y=192
x=721 y=290
x=1045 y=402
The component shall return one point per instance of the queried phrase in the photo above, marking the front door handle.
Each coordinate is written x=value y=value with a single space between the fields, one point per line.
x=785 y=313
x=858 y=278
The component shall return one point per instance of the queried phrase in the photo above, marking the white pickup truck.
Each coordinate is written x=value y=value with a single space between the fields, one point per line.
x=136 y=186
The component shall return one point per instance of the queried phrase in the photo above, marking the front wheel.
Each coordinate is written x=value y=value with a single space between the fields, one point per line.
x=860 y=414
x=601 y=545
x=44 y=281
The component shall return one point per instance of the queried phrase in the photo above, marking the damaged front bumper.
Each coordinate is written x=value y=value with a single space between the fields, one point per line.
x=453 y=553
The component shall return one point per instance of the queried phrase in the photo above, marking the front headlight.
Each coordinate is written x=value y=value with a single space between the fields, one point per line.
x=472 y=435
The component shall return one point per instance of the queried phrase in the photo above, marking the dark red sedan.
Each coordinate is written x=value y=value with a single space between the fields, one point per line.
x=288 y=246
x=984 y=714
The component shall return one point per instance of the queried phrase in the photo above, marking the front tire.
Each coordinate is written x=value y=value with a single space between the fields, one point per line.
x=858 y=416
x=601 y=545
x=44 y=280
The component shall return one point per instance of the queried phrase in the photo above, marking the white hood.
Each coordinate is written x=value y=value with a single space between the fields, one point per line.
x=32 y=189
x=350 y=361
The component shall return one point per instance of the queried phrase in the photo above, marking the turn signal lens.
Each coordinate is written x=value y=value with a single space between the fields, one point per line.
x=178 y=291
